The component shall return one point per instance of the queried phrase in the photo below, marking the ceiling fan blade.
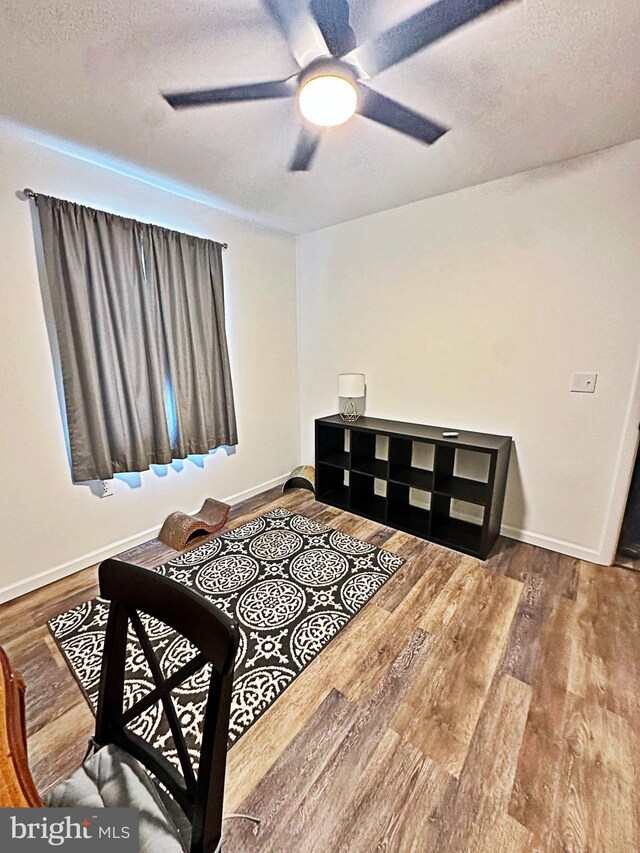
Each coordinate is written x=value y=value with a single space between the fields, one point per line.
x=300 y=29
x=305 y=149
x=385 y=111
x=416 y=32
x=332 y=16
x=230 y=94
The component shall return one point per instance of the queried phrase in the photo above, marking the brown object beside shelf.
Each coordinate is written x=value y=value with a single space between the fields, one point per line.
x=302 y=477
x=17 y=789
x=179 y=528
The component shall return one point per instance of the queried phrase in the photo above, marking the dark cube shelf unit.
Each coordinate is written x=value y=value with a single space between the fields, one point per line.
x=409 y=476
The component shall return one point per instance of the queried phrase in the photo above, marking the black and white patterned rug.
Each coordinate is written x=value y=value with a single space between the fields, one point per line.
x=289 y=583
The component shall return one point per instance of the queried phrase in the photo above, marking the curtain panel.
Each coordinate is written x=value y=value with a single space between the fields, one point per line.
x=139 y=314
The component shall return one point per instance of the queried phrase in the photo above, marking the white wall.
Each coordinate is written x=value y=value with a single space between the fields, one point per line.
x=473 y=309
x=47 y=524
x=469 y=310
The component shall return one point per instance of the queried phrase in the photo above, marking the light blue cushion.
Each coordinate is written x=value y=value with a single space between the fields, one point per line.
x=112 y=778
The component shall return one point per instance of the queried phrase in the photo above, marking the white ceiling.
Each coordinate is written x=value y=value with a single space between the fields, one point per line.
x=534 y=82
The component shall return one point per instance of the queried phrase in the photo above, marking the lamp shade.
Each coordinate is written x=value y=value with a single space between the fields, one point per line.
x=351 y=385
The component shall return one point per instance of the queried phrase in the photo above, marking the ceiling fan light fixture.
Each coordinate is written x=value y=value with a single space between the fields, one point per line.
x=328 y=100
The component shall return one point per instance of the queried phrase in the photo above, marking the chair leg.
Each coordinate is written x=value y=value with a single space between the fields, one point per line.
x=92 y=747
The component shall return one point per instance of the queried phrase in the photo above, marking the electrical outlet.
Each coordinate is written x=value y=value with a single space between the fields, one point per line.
x=107 y=488
x=584 y=382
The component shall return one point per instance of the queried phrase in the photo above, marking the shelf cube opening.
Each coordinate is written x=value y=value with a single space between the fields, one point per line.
x=332 y=483
x=409 y=508
x=382 y=448
x=367 y=494
x=364 y=458
x=380 y=487
x=419 y=498
x=465 y=511
x=472 y=465
x=422 y=455
x=333 y=445
x=411 y=463
x=450 y=464
x=456 y=523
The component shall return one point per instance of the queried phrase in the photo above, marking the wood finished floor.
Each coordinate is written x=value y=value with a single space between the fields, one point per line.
x=470 y=706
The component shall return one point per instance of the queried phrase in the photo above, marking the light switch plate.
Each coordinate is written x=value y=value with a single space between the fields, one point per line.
x=584 y=382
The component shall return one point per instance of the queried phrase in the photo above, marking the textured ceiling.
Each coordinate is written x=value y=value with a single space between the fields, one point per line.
x=531 y=83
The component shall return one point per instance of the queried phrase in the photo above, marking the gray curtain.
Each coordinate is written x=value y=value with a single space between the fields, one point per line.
x=186 y=274
x=140 y=324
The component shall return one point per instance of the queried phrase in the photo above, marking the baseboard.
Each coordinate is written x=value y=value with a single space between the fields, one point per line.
x=48 y=576
x=552 y=544
x=232 y=500
x=15 y=590
x=548 y=542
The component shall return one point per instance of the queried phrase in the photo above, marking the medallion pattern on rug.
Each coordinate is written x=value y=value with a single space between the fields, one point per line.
x=290 y=584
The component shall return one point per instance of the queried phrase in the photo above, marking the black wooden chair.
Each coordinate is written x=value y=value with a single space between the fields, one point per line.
x=191 y=819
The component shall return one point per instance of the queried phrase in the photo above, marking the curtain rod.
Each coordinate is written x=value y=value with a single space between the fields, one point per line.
x=33 y=195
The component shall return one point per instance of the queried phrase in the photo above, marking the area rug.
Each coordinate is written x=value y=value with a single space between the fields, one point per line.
x=288 y=582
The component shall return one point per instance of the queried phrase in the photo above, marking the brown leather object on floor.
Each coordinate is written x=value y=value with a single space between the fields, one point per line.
x=179 y=527
x=302 y=477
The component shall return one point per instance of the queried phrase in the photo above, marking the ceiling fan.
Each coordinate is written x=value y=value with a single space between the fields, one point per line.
x=330 y=85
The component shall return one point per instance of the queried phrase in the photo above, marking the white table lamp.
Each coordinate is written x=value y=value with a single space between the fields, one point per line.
x=350 y=385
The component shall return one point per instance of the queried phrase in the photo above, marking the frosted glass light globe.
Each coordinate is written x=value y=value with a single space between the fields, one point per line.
x=328 y=100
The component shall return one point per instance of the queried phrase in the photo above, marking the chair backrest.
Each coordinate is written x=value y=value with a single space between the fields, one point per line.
x=134 y=592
